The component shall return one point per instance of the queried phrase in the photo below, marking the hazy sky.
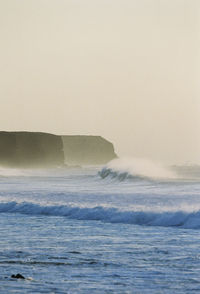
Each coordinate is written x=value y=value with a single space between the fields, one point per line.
x=128 y=70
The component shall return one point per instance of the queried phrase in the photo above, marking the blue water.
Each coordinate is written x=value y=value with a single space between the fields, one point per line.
x=76 y=231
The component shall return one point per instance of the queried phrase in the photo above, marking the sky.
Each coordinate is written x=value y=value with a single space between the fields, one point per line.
x=127 y=70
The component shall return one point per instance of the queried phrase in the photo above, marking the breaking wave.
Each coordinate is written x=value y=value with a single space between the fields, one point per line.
x=130 y=168
x=183 y=219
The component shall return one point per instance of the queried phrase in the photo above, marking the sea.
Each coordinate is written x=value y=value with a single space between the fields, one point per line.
x=131 y=226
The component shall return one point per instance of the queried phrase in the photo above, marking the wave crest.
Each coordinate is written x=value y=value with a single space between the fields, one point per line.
x=188 y=220
x=126 y=168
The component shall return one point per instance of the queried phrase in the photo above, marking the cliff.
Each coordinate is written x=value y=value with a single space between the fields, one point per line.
x=87 y=150
x=33 y=149
x=30 y=149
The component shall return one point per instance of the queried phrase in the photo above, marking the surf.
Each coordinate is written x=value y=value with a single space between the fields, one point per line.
x=182 y=219
x=138 y=169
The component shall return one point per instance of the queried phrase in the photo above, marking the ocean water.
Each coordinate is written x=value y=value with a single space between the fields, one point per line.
x=129 y=227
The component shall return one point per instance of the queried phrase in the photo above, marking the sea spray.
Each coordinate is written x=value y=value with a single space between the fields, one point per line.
x=123 y=168
x=11 y=172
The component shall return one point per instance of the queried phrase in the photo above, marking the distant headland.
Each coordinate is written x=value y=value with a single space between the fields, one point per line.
x=38 y=149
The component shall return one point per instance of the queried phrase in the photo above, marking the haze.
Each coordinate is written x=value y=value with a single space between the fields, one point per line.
x=128 y=70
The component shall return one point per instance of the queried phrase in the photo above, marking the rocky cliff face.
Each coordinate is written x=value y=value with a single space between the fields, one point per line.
x=87 y=150
x=29 y=149
x=33 y=149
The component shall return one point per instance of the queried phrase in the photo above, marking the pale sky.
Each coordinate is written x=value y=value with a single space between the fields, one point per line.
x=128 y=70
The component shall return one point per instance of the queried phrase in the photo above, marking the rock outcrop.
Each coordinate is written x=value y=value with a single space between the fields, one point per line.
x=87 y=150
x=18 y=276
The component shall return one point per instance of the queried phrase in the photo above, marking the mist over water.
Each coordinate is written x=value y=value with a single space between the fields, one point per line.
x=138 y=167
x=124 y=191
